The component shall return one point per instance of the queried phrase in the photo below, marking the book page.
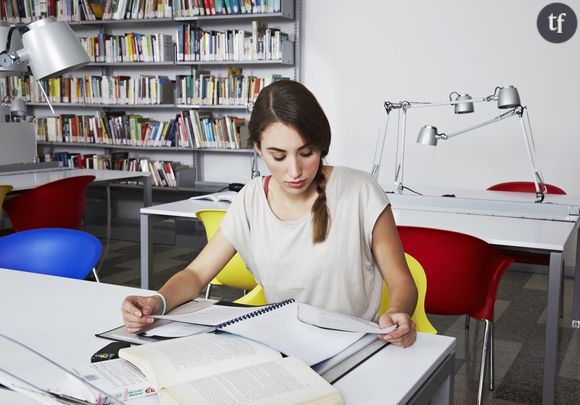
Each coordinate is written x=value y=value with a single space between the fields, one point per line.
x=211 y=316
x=281 y=382
x=281 y=329
x=117 y=377
x=335 y=320
x=182 y=359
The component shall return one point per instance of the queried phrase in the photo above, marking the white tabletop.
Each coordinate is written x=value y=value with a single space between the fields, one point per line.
x=184 y=208
x=32 y=179
x=59 y=318
x=498 y=203
x=501 y=231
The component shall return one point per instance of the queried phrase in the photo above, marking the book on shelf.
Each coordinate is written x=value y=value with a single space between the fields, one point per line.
x=223 y=196
x=197 y=369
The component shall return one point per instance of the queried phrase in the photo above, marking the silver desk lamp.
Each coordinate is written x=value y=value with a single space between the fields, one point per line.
x=506 y=97
x=49 y=48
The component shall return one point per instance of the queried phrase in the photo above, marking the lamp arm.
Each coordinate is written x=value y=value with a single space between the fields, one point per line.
x=400 y=155
x=500 y=117
x=378 y=158
x=422 y=104
x=539 y=184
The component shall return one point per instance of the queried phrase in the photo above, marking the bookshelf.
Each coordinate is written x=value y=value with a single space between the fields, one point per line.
x=207 y=164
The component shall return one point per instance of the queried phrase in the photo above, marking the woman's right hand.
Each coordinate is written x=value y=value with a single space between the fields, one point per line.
x=137 y=311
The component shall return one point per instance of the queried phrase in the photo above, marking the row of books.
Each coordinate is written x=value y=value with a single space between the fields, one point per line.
x=206 y=132
x=262 y=43
x=26 y=11
x=192 y=8
x=137 y=9
x=206 y=89
x=93 y=89
x=113 y=128
x=188 y=129
x=130 y=47
x=163 y=172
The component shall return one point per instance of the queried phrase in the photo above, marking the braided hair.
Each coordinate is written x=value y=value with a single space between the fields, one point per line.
x=292 y=104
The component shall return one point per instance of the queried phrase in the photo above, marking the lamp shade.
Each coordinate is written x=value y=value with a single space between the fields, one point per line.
x=466 y=107
x=508 y=97
x=15 y=44
x=51 y=48
x=427 y=135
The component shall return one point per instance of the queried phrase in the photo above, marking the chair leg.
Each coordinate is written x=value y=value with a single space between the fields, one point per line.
x=484 y=354
x=207 y=291
x=467 y=317
x=491 y=367
x=96 y=275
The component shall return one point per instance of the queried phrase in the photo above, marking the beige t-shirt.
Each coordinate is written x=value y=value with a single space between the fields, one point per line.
x=338 y=274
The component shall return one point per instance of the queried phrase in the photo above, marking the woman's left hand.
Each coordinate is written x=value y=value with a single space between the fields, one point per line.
x=404 y=335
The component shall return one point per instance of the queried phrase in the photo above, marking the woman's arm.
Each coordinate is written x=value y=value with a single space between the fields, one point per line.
x=388 y=254
x=181 y=287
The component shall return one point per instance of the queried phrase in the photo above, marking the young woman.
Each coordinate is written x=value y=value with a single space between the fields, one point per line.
x=323 y=235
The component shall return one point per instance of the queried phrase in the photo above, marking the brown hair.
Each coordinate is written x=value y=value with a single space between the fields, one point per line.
x=292 y=104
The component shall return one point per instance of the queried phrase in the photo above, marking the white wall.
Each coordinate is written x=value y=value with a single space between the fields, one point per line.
x=358 y=54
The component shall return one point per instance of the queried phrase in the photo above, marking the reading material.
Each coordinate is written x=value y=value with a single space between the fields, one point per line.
x=225 y=196
x=118 y=378
x=279 y=327
x=220 y=368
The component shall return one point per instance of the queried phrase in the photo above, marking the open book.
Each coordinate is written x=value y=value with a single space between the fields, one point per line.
x=225 y=369
x=224 y=196
x=296 y=329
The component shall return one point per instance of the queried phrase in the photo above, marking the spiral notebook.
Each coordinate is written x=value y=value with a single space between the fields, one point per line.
x=277 y=326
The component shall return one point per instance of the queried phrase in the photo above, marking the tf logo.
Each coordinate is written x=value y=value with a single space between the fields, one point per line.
x=557 y=23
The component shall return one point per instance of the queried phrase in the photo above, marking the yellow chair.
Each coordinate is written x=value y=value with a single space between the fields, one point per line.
x=256 y=297
x=4 y=189
x=419 y=316
x=235 y=273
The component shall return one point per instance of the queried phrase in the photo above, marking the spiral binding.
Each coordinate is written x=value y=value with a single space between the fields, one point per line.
x=253 y=314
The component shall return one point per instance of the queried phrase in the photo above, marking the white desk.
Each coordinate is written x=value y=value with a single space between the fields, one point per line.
x=151 y=215
x=548 y=235
x=27 y=179
x=59 y=318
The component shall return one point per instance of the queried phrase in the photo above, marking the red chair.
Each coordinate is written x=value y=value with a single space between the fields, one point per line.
x=59 y=204
x=463 y=273
x=523 y=256
x=525 y=187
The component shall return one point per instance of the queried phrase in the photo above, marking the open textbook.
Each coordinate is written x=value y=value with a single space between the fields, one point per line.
x=296 y=329
x=224 y=369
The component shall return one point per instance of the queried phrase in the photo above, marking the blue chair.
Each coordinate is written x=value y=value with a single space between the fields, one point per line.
x=53 y=251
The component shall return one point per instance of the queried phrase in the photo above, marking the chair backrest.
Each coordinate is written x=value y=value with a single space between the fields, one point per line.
x=4 y=189
x=463 y=272
x=54 y=251
x=58 y=204
x=235 y=273
x=525 y=187
x=254 y=298
x=419 y=317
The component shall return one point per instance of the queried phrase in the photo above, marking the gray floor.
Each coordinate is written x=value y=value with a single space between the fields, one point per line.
x=520 y=316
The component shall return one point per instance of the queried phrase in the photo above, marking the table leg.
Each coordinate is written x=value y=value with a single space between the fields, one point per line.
x=555 y=273
x=146 y=251
x=147 y=191
x=576 y=294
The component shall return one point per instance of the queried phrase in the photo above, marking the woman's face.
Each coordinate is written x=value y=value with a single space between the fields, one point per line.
x=292 y=162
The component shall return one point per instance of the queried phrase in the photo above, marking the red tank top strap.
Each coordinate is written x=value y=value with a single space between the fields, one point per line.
x=266 y=184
